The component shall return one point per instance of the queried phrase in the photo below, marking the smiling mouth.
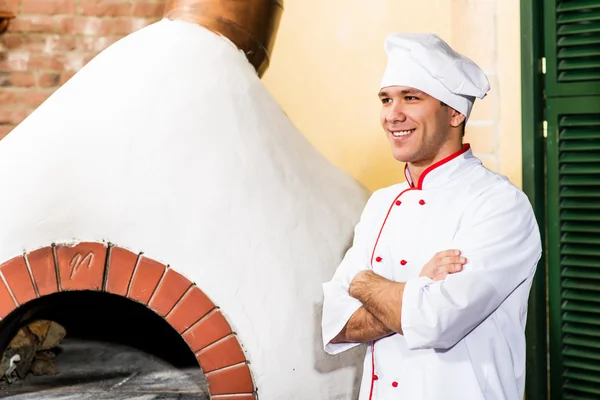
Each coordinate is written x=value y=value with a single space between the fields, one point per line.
x=402 y=133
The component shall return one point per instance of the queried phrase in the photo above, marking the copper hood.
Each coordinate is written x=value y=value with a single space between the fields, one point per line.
x=250 y=24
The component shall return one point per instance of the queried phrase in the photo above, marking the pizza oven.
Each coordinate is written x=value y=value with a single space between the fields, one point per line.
x=165 y=227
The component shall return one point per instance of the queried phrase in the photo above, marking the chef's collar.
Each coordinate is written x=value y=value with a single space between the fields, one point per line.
x=445 y=170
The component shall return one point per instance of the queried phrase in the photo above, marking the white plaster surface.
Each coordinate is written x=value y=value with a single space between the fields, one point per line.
x=168 y=143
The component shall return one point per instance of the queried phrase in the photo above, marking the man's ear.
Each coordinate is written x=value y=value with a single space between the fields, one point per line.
x=456 y=118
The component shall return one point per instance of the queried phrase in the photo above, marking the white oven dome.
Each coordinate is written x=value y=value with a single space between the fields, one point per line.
x=168 y=143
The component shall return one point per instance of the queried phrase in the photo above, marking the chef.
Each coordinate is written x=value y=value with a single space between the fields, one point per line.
x=438 y=276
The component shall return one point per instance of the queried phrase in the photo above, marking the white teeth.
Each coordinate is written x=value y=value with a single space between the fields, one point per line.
x=401 y=133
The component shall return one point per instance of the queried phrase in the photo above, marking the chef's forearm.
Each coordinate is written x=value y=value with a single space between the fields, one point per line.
x=382 y=298
x=362 y=327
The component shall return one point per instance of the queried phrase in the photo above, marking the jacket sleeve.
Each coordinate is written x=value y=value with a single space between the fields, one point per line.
x=338 y=305
x=500 y=238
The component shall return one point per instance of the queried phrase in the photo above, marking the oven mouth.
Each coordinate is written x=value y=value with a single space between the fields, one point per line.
x=128 y=341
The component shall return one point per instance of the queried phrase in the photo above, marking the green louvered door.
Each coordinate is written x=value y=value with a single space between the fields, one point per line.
x=572 y=36
x=572 y=48
x=574 y=246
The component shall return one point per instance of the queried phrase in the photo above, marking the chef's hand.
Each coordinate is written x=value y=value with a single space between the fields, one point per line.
x=442 y=264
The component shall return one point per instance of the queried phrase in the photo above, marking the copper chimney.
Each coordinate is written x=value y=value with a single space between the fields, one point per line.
x=5 y=16
x=251 y=24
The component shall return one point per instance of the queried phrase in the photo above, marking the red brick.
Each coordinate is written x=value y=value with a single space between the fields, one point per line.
x=17 y=276
x=12 y=116
x=104 y=8
x=212 y=328
x=58 y=43
x=224 y=353
x=121 y=26
x=120 y=270
x=34 y=97
x=39 y=61
x=145 y=9
x=9 y=97
x=124 y=25
x=169 y=292
x=64 y=77
x=91 y=26
x=17 y=60
x=54 y=79
x=32 y=23
x=24 y=61
x=72 y=61
x=5 y=130
x=95 y=44
x=230 y=380
x=145 y=279
x=50 y=7
x=49 y=79
x=11 y=41
x=34 y=42
x=16 y=79
x=7 y=303
x=4 y=61
x=249 y=396
x=88 y=58
x=81 y=267
x=41 y=43
x=192 y=307
x=42 y=268
x=12 y=5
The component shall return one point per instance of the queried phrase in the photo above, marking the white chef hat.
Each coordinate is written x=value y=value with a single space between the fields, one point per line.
x=425 y=62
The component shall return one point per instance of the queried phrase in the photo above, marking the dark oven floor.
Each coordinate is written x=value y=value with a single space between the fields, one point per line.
x=94 y=370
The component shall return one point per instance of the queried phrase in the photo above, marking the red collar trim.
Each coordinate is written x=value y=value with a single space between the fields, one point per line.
x=433 y=166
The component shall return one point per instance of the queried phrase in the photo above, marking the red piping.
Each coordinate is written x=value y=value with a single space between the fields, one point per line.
x=465 y=147
x=443 y=161
x=372 y=370
x=384 y=221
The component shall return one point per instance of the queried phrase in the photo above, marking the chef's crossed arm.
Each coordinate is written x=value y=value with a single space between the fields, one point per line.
x=500 y=239
x=342 y=314
x=346 y=322
x=382 y=297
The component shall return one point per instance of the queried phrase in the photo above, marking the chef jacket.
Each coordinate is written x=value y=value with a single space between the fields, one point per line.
x=463 y=337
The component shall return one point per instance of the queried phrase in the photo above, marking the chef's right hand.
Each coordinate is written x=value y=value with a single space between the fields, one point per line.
x=442 y=264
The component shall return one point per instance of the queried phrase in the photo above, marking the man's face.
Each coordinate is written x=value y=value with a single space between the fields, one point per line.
x=417 y=125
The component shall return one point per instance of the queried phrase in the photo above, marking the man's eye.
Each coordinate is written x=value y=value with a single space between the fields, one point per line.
x=411 y=98
x=386 y=100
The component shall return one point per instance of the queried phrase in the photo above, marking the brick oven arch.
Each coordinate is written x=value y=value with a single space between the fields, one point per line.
x=107 y=268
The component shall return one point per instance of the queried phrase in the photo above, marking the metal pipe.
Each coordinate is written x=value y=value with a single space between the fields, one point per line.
x=250 y=24
x=5 y=16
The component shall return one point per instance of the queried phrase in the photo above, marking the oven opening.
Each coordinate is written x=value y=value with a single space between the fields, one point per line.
x=111 y=348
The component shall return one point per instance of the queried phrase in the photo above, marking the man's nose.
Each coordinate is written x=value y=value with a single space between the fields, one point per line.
x=396 y=114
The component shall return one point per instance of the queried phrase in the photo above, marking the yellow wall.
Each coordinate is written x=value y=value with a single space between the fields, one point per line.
x=328 y=60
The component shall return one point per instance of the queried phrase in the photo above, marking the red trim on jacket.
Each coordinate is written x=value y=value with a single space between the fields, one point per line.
x=433 y=166
x=384 y=221
x=372 y=370
x=419 y=186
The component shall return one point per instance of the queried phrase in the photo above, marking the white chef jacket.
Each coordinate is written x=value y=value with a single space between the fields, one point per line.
x=463 y=337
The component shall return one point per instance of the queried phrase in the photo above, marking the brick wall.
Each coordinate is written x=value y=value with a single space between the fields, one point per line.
x=50 y=40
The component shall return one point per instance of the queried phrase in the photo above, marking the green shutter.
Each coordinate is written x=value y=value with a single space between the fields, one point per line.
x=572 y=89
x=572 y=32
x=573 y=177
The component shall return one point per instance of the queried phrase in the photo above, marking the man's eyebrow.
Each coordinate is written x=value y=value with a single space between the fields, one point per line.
x=411 y=91
x=404 y=92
